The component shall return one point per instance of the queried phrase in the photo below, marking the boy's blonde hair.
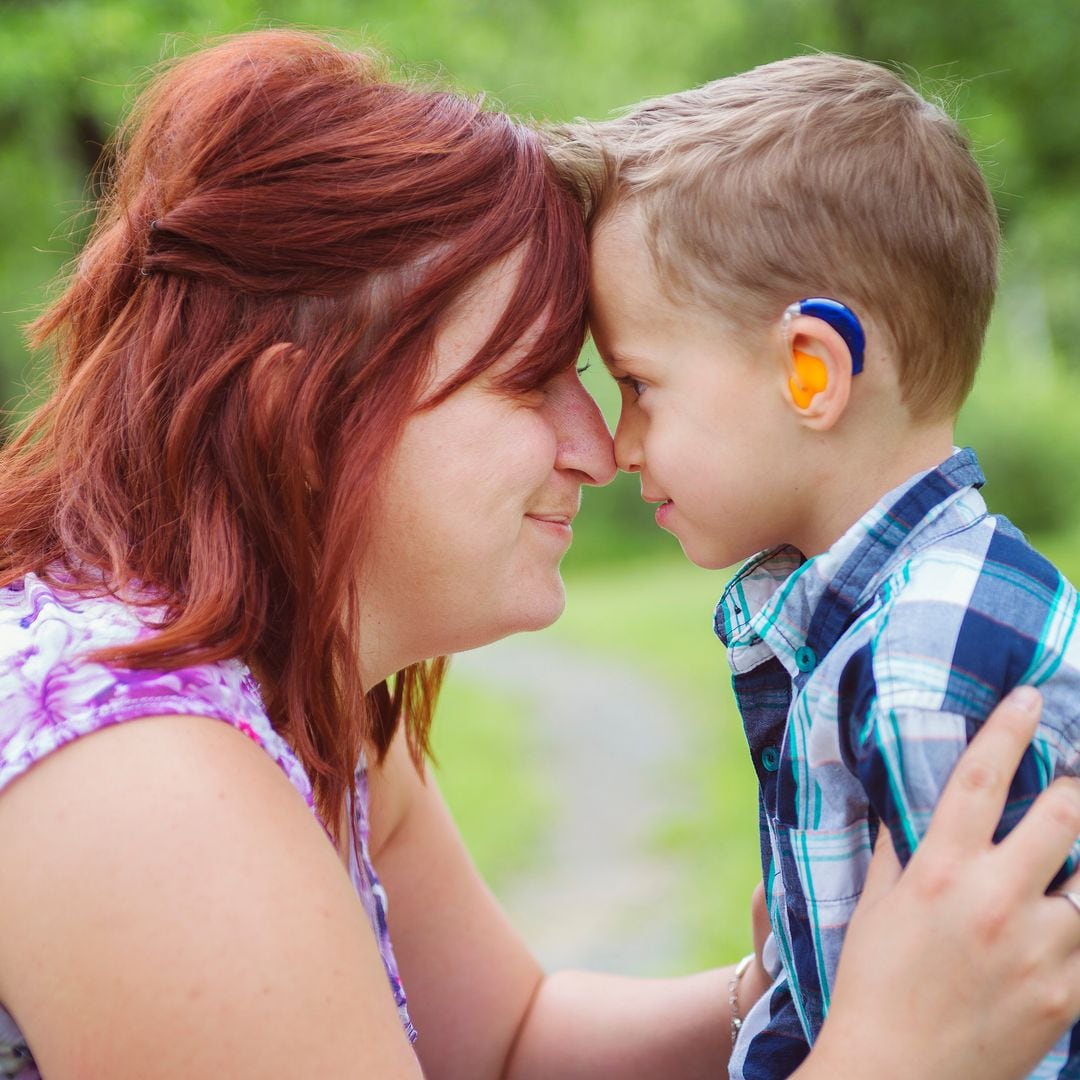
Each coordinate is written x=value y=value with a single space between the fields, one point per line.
x=813 y=176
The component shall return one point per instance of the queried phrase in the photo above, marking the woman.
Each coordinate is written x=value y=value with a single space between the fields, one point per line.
x=315 y=424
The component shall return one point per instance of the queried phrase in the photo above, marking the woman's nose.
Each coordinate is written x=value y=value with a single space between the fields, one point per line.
x=585 y=444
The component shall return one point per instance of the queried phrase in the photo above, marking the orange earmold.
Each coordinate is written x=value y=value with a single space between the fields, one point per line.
x=810 y=378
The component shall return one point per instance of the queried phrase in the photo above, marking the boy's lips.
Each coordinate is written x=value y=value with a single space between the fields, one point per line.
x=663 y=511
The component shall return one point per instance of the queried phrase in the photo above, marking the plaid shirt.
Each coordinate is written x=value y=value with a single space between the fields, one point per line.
x=861 y=675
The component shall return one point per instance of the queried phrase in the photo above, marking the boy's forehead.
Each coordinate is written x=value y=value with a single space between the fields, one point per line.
x=623 y=278
x=633 y=318
x=620 y=236
x=631 y=314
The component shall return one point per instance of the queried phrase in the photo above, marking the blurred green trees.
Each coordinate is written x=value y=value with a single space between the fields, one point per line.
x=1007 y=68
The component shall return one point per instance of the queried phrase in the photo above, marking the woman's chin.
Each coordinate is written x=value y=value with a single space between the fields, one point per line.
x=550 y=614
x=536 y=611
x=476 y=628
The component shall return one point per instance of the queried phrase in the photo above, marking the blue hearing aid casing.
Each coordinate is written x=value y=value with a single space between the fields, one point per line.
x=841 y=318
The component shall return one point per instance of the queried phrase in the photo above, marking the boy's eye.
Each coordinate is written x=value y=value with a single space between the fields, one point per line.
x=635 y=386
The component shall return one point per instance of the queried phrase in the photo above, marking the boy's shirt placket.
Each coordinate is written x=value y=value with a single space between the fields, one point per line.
x=801 y=638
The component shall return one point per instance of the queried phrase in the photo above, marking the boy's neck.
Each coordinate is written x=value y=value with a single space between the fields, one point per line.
x=859 y=480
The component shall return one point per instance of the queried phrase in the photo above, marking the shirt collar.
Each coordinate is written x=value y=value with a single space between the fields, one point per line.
x=779 y=602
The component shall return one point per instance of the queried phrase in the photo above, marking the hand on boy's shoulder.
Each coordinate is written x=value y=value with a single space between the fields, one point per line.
x=949 y=633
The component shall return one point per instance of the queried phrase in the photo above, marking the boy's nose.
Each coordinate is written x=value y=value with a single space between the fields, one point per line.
x=627 y=446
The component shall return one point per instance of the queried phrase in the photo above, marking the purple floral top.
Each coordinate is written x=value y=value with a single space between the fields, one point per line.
x=50 y=695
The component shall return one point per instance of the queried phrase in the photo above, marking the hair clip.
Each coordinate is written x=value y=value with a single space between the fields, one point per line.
x=840 y=317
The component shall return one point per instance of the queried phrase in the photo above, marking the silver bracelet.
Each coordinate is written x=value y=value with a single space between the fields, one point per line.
x=733 y=995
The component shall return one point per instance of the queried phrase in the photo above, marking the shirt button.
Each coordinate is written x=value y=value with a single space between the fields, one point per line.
x=805 y=658
x=770 y=758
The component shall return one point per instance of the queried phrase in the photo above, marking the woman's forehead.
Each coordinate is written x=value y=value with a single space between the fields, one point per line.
x=473 y=315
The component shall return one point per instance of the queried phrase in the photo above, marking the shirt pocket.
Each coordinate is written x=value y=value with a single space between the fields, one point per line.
x=823 y=874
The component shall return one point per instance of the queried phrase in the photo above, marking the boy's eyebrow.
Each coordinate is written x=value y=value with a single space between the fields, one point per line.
x=614 y=362
x=605 y=357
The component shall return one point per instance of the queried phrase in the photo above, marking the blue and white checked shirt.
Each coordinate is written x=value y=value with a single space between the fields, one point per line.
x=861 y=675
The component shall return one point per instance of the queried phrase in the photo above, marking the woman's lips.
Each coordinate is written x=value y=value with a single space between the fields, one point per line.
x=556 y=524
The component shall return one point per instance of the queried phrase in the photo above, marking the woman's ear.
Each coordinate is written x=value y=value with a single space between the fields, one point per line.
x=818 y=370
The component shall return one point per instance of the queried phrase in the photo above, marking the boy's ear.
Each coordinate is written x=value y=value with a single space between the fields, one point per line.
x=818 y=372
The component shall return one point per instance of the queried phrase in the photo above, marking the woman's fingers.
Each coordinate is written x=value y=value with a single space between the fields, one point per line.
x=971 y=804
x=1046 y=834
x=1066 y=898
x=960 y=966
x=1073 y=979
x=1072 y=884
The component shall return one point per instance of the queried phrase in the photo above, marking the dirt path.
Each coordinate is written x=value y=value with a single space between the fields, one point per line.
x=610 y=746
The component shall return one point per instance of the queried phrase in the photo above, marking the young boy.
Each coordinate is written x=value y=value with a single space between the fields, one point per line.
x=793 y=272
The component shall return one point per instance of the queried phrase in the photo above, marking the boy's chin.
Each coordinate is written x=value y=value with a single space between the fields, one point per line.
x=711 y=557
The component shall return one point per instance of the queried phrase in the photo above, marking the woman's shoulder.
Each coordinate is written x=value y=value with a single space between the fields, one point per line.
x=168 y=882
x=53 y=690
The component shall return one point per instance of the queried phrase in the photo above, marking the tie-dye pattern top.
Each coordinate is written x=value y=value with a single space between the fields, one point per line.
x=50 y=695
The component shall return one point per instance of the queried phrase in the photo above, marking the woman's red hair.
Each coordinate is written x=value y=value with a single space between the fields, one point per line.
x=240 y=345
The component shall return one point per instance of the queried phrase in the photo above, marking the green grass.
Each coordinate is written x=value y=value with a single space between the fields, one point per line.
x=656 y=617
x=482 y=752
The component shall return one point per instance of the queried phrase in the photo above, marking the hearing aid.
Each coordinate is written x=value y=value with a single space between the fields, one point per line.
x=811 y=375
x=810 y=378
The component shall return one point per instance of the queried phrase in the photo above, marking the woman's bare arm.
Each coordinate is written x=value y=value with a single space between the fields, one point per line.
x=483 y=1006
x=171 y=908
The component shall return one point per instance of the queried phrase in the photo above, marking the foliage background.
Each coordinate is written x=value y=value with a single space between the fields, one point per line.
x=1007 y=68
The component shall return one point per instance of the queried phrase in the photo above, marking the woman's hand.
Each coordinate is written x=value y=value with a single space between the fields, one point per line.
x=960 y=965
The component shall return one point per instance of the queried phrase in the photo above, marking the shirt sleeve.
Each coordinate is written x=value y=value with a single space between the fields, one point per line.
x=52 y=691
x=904 y=756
